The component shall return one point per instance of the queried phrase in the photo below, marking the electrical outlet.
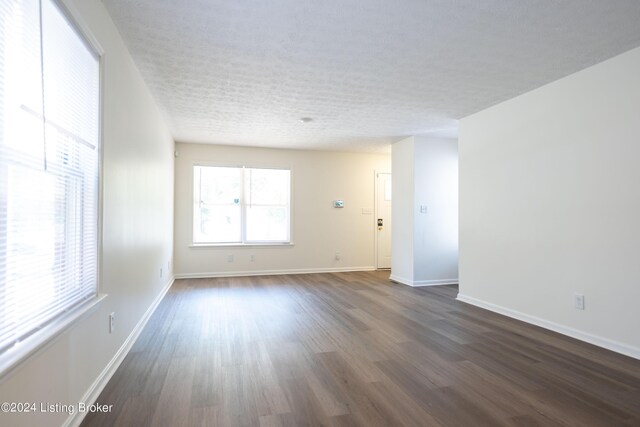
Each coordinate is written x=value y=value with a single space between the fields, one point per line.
x=229 y=258
x=578 y=301
x=338 y=256
x=161 y=272
x=252 y=258
x=112 y=322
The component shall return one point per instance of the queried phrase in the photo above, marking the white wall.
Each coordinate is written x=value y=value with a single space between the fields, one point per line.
x=318 y=230
x=137 y=235
x=550 y=205
x=402 y=210
x=425 y=244
x=436 y=231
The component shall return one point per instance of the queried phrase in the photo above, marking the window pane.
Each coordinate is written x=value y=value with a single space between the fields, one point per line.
x=267 y=186
x=220 y=185
x=71 y=76
x=267 y=224
x=218 y=224
x=21 y=115
x=32 y=237
x=217 y=209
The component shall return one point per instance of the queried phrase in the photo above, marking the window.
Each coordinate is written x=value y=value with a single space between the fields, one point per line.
x=49 y=163
x=241 y=205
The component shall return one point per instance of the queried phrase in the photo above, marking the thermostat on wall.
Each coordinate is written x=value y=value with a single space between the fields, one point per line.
x=338 y=203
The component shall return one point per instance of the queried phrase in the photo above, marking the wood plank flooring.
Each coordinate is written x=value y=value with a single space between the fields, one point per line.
x=353 y=349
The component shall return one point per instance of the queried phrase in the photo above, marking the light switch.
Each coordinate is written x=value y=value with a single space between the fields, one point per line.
x=423 y=209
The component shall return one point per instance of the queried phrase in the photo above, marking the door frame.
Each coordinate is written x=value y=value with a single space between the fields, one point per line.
x=375 y=212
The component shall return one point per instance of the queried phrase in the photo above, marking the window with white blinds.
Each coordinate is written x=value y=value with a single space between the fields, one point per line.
x=49 y=168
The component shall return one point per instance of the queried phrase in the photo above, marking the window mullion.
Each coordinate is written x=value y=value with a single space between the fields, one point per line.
x=200 y=201
x=243 y=207
x=44 y=117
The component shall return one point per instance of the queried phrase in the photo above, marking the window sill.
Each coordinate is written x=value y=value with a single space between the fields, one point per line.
x=239 y=245
x=20 y=352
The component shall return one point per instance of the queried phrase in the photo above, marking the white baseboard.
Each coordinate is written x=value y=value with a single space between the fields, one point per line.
x=417 y=283
x=599 y=341
x=99 y=384
x=270 y=272
x=435 y=282
x=400 y=280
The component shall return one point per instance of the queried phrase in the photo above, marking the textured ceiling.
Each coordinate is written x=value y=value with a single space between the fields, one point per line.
x=368 y=72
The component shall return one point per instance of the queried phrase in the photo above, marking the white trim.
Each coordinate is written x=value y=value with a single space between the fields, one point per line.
x=435 y=282
x=98 y=385
x=240 y=245
x=207 y=275
x=71 y=10
x=599 y=341
x=400 y=280
x=418 y=283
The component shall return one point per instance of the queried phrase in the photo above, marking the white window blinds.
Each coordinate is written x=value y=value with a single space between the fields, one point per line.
x=49 y=157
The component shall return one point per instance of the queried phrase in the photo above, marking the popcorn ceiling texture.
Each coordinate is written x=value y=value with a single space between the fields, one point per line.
x=369 y=72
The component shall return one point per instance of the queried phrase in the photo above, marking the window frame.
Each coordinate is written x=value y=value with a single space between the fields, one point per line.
x=243 y=242
x=13 y=357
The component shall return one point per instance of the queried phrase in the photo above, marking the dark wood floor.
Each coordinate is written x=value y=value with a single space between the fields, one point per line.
x=356 y=349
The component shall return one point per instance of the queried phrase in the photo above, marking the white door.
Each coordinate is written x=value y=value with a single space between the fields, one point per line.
x=383 y=220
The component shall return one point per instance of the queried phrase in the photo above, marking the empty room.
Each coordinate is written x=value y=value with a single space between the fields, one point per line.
x=319 y=213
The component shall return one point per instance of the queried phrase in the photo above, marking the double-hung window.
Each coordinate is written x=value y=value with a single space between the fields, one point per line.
x=241 y=205
x=49 y=163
